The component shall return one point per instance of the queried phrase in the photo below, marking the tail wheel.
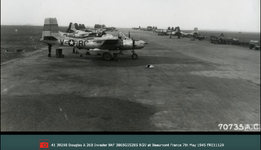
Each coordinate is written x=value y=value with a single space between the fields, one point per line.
x=107 y=56
x=134 y=56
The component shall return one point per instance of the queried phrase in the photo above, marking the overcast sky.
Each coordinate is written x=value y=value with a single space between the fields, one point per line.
x=234 y=15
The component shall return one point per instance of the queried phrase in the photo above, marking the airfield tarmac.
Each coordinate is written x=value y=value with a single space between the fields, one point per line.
x=194 y=86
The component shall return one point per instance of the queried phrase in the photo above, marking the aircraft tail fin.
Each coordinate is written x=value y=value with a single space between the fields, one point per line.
x=83 y=26
x=76 y=26
x=80 y=26
x=50 y=24
x=50 y=28
x=69 y=28
x=177 y=29
x=72 y=27
x=195 y=31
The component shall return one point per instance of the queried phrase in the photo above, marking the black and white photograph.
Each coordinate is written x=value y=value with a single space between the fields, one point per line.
x=130 y=65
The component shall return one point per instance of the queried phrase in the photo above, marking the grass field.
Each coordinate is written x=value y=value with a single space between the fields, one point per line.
x=27 y=38
x=21 y=38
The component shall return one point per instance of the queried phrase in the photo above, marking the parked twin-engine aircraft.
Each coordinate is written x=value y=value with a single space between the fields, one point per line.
x=170 y=32
x=108 y=47
x=161 y=31
x=81 y=28
x=194 y=33
x=103 y=27
x=175 y=32
x=74 y=31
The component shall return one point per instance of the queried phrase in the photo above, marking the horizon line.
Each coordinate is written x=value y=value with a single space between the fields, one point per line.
x=223 y=30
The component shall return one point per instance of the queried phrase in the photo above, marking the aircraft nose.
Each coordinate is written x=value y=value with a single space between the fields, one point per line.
x=144 y=43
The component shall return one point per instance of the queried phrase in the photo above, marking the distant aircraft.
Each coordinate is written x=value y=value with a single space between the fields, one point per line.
x=108 y=47
x=194 y=33
x=254 y=44
x=75 y=32
x=175 y=32
x=170 y=31
x=103 y=27
x=223 y=39
x=81 y=29
x=161 y=31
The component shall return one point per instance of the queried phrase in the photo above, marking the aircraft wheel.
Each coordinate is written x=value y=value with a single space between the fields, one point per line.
x=81 y=55
x=107 y=56
x=49 y=55
x=134 y=56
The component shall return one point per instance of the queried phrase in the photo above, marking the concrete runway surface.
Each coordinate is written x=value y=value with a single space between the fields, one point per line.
x=194 y=86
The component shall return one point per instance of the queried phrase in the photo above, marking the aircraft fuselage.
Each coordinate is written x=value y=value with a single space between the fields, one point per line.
x=113 y=43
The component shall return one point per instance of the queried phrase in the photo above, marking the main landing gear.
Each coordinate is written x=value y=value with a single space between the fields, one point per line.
x=107 y=56
x=134 y=56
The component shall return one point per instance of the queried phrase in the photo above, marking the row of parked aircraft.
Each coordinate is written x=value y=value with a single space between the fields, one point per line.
x=221 y=39
x=95 y=42
x=175 y=32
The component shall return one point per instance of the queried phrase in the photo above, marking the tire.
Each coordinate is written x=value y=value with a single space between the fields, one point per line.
x=134 y=56
x=107 y=56
x=49 y=55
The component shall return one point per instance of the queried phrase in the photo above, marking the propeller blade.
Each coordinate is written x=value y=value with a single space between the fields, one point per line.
x=133 y=44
